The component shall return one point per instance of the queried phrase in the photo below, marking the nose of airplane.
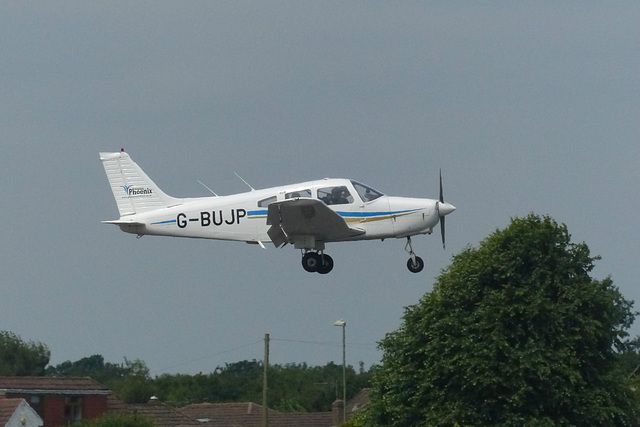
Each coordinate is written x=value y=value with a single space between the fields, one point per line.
x=445 y=208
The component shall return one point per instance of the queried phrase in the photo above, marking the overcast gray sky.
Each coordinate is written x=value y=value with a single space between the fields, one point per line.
x=526 y=107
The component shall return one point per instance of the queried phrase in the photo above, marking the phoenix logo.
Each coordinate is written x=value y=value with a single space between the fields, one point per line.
x=129 y=190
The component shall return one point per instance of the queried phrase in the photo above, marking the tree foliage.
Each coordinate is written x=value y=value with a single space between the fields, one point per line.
x=130 y=380
x=21 y=358
x=515 y=332
x=292 y=387
x=92 y=366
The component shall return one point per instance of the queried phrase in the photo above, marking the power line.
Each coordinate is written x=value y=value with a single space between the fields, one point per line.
x=323 y=343
x=209 y=356
x=328 y=343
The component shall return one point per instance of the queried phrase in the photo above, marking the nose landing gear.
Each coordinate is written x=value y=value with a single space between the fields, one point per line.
x=317 y=262
x=415 y=264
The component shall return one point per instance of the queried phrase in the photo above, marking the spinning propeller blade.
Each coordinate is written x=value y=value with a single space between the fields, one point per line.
x=441 y=195
x=443 y=210
x=441 y=217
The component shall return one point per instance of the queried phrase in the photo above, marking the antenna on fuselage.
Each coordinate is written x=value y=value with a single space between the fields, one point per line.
x=212 y=192
x=252 y=189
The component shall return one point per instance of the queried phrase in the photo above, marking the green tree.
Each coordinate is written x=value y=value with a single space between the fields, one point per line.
x=92 y=366
x=515 y=332
x=135 y=385
x=299 y=387
x=235 y=382
x=130 y=380
x=292 y=387
x=21 y=358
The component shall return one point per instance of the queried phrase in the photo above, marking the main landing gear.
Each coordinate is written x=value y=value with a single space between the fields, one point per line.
x=415 y=264
x=317 y=262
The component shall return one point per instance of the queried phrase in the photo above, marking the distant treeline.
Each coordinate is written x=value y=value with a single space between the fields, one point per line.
x=292 y=387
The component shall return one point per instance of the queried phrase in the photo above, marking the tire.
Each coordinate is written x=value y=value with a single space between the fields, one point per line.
x=326 y=266
x=417 y=267
x=311 y=262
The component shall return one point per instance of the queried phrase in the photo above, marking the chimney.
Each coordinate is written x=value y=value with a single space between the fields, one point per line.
x=337 y=412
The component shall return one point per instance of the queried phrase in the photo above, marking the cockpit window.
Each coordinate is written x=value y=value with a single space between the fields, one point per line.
x=296 y=194
x=266 y=202
x=366 y=193
x=335 y=195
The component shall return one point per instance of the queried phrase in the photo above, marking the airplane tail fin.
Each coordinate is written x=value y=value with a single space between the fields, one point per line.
x=133 y=190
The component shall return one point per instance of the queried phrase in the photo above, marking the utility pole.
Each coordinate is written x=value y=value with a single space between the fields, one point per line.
x=265 y=411
x=344 y=372
x=343 y=324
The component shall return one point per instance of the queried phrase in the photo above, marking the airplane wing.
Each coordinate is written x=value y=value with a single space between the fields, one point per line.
x=306 y=217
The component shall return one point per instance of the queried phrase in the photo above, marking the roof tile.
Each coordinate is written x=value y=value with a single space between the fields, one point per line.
x=8 y=384
x=7 y=409
x=249 y=414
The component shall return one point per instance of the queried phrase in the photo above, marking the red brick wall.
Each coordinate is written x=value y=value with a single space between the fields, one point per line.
x=53 y=410
x=93 y=406
x=52 y=407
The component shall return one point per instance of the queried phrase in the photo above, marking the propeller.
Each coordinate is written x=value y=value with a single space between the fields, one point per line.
x=443 y=210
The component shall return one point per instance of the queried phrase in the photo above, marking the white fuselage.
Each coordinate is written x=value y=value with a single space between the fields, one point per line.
x=243 y=217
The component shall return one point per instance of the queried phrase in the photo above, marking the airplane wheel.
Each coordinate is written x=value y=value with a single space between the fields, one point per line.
x=311 y=262
x=417 y=266
x=327 y=266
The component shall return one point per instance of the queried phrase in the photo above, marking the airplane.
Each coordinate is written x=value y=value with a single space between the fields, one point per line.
x=307 y=215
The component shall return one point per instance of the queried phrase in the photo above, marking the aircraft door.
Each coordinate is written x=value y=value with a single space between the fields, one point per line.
x=373 y=214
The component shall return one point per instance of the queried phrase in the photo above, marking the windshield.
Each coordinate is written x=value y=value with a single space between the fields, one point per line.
x=367 y=194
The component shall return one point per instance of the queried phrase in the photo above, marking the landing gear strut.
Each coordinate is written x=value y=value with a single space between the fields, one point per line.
x=317 y=262
x=415 y=264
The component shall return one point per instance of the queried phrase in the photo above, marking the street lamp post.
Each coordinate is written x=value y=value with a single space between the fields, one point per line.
x=344 y=367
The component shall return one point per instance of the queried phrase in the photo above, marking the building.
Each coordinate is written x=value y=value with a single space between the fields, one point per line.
x=58 y=401
x=249 y=414
x=159 y=413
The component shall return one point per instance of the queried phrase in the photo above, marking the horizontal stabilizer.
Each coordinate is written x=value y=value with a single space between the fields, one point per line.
x=123 y=222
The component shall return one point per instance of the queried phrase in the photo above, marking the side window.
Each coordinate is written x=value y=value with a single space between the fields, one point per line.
x=72 y=408
x=335 y=195
x=266 y=202
x=296 y=194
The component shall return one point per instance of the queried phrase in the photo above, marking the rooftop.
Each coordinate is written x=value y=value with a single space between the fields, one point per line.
x=249 y=414
x=51 y=385
x=7 y=408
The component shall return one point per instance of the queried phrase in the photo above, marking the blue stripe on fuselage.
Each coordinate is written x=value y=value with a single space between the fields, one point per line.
x=251 y=214
x=263 y=213
x=373 y=214
x=171 y=221
x=345 y=214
